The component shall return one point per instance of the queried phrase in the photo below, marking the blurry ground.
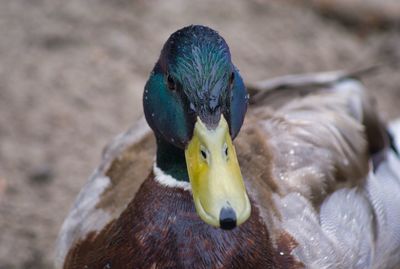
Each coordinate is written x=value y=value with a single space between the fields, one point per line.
x=72 y=74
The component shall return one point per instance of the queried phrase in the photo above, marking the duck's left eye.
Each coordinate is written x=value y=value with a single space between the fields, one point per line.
x=171 y=83
x=231 y=78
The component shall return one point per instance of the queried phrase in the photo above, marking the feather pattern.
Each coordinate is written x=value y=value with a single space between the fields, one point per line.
x=308 y=171
x=341 y=212
x=200 y=62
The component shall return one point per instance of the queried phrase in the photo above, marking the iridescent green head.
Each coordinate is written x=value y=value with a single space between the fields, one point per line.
x=194 y=77
x=195 y=101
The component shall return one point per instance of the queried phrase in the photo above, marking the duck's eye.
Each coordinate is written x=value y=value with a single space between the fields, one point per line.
x=231 y=78
x=171 y=83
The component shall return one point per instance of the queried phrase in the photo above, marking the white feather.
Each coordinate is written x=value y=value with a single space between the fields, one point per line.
x=394 y=127
x=355 y=227
x=84 y=216
x=169 y=181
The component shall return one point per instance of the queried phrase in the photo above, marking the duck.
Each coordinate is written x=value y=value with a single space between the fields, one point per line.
x=302 y=175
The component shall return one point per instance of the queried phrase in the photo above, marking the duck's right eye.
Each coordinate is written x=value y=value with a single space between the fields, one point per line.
x=171 y=83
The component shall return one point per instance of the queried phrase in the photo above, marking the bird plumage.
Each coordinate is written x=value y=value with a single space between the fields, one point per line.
x=320 y=196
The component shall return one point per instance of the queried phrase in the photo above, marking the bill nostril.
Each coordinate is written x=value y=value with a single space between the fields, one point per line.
x=227 y=218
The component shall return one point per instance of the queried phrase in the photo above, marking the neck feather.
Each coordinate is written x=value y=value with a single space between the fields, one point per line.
x=171 y=160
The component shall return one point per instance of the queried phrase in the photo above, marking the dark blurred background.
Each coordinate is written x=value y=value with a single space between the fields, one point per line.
x=72 y=74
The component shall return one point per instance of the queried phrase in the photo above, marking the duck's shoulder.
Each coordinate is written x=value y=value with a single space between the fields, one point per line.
x=309 y=146
x=125 y=163
x=312 y=144
x=330 y=191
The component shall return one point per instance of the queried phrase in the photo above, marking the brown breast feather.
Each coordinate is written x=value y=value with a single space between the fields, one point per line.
x=161 y=229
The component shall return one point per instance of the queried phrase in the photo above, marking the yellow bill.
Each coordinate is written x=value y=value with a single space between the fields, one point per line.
x=218 y=189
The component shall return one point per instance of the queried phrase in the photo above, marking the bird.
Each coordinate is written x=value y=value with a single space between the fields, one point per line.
x=213 y=177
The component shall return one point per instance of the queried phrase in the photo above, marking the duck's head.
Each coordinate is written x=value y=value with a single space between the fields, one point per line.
x=195 y=101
